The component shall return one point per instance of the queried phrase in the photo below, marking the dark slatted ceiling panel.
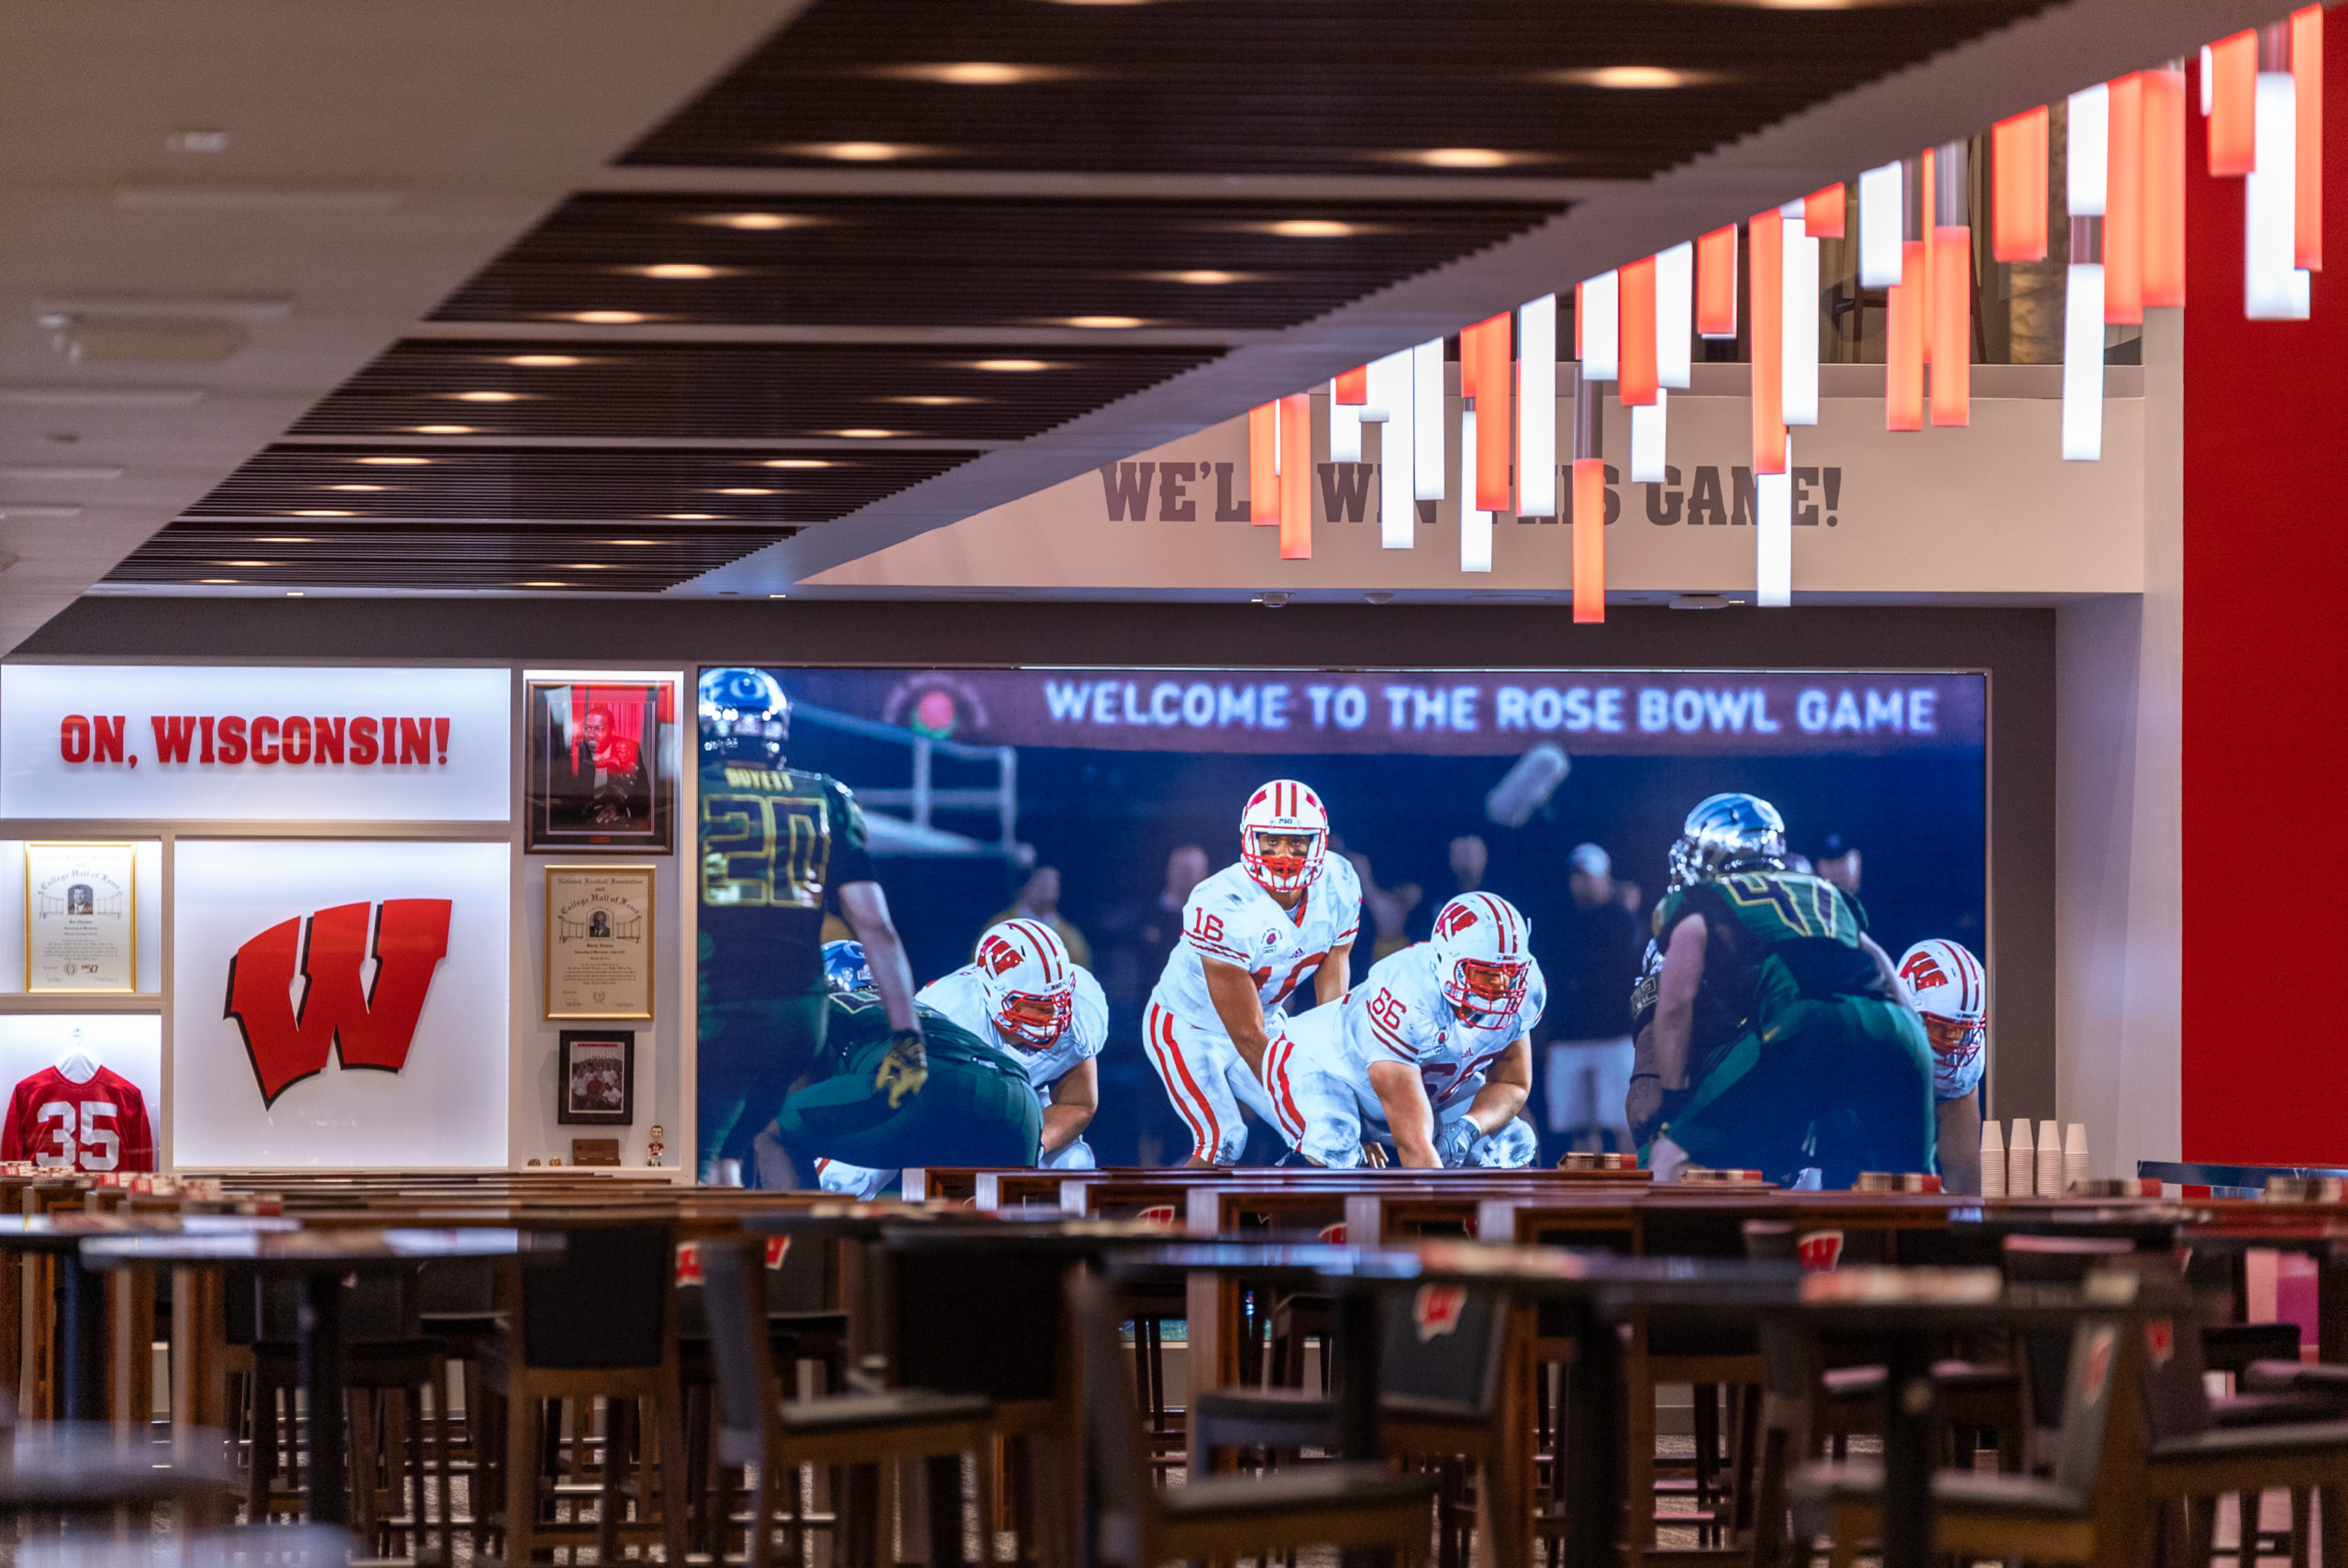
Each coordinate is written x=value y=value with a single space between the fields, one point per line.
x=1291 y=86
x=1003 y=263
x=684 y=391
x=541 y=558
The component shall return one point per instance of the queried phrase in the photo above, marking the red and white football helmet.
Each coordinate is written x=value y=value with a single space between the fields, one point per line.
x=1029 y=982
x=1952 y=993
x=1481 y=953
x=1284 y=808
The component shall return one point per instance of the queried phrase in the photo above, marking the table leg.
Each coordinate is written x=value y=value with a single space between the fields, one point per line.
x=320 y=1331
x=1908 y=1454
x=2331 y=1306
x=1358 y=1365
x=82 y=1341
x=1593 y=1446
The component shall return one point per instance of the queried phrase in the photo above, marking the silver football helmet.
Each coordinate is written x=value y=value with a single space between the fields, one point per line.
x=1727 y=833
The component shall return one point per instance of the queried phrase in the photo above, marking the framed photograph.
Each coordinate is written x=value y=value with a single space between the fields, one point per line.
x=81 y=917
x=599 y=942
x=595 y=1078
x=602 y=766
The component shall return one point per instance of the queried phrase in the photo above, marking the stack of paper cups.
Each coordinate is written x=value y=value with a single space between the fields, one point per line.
x=1993 y=1160
x=2075 y=1154
x=2021 y=1163
x=2050 y=1159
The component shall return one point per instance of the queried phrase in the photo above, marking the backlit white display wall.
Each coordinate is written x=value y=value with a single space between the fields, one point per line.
x=341 y=1004
x=161 y=743
x=129 y=1044
x=150 y=890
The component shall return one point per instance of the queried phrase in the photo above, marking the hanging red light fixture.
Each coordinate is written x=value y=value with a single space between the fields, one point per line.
x=1821 y=212
x=2306 y=72
x=2123 y=205
x=1715 y=287
x=2163 y=182
x=1951 y=290
x=1264 y=465
x=2231 y=94
x=2018 y=169
x=1486 y=347
x=1768 y=284
x=1638 y=372
x=1296 y=477
x=1353 y=386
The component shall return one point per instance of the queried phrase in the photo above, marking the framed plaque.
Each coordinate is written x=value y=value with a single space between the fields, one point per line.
x=601 y=774
x=81 y=917
x=599 y=942
x=596 y=1080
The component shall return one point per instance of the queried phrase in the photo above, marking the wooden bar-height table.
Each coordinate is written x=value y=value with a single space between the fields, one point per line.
x=320 y=1260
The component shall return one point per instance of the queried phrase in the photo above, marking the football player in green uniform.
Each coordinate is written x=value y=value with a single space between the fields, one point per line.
x=777 y=848
x=1782 y=1036
x=977 y=1109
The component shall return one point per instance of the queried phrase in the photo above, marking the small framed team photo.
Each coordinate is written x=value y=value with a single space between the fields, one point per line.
x=595 y=1078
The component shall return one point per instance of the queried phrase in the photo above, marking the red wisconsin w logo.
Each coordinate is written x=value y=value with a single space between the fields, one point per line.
x=367 y=1025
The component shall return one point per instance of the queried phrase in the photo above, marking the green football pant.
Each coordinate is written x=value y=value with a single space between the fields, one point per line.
x=1842 y=1083
x=968 y=1113
x=752 y=1053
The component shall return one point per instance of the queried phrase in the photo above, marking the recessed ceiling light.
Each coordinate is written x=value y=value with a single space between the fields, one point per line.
x=609 y=317
x=216 y=580
x=282 y=539
x=1011 y=364
x=1206 y=277
x=1634 y=78
x=395 y=462
x=246 y=563
x=680 y=270
x=778 y=596
x=196 y=141
x=486 y=396
x=322 y=513
x=742 y=489
x=939 y=400
x=860 y=151
x=585 y=566
x=795 y=463
x=544 y=361
x=292 y=593
x=542 y=585
x=443 y=429
x=976 y=73
x=866 y=432
x=1103 y=323
x=1312 y=229
x=1455 y=157
x=631 y=541
x=690 y=516
x=357 y=487
x=757 y=221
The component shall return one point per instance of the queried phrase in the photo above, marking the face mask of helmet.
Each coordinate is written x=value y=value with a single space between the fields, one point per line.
x=1954 y=1038
x=1481 y=991
x=1282 y=860
x=1036 y=1018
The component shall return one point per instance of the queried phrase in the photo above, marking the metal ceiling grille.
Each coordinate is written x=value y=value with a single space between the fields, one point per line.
x=993 y=262
x=544 y=558
x=738 y=390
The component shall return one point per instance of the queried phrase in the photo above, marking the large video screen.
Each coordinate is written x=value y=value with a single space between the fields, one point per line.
x=1095 y=798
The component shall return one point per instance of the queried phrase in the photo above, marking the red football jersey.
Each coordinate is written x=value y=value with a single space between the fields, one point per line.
x=100 y=1125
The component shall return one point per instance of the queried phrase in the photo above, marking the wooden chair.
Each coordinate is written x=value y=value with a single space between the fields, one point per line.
x=774 y=1437
x=1211 y=1518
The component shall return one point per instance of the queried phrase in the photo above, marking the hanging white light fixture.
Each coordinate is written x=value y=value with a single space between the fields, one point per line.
x=2086 y=155
x=1797 y=319
x=1475 y=523
x=1536 y=407
x=1773 y=506
x=1427 y=419
x=1882 y=196
x=1647 y=440
x=1600 y=332
x=1345 y=429
x=1390 y=400
x=2273 y=289
x=1674 y=314
x=2083 y=352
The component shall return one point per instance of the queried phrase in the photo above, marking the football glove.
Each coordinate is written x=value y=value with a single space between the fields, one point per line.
x=1453 y=1140
x=903 y=1070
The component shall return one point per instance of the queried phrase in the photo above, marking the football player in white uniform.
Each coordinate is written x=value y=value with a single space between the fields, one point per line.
x=1024 y=997
x=1950 y=989
x=1252 y=934
x=1432 y=1051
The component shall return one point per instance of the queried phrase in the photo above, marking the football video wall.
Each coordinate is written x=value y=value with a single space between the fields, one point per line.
x=1092 y=797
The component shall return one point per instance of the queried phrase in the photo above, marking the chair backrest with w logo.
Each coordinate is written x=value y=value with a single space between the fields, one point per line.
x=1443 y=1346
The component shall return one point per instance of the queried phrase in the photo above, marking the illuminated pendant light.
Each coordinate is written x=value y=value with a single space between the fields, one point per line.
x=1589 y=517
x=2273 y=288
x=1768 y=342
x=2229 y=89
x=1426 y=420
x=2083 y=347
x=1716 y=284
x=1352 y=387
x=1674 y=314
x=1600 y=330
x=2306 y=71
x=1903 y=345
x=1882 y=201
x=1536 y=407
x=2018 y=169
x=1489 y=343
x=2164 y=161
x=1798 y=320
x=1773 y=518
x=1475 y=521
x=1264 y=465
x=2123 y=205
x=1925 y=188
x=1647 y=440
x=1821 y=212
x=1635 y=332
x=1397 y=501
x=1952 y=290
x=1296 y=477
x=1345 y=426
